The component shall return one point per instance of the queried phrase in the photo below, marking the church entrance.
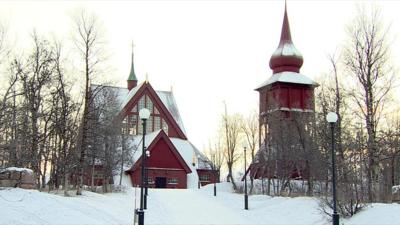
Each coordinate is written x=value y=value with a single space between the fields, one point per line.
x=161 y=182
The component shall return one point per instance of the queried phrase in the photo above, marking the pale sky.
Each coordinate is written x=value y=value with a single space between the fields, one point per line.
x=209 y=51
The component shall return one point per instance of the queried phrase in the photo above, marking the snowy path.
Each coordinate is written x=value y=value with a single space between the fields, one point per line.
x=176 y=207
x=191 y=207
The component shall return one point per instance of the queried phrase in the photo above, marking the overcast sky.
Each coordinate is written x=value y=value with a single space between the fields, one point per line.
x=209 y=51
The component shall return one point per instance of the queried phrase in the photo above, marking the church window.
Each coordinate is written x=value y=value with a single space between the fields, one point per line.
x=173 y=180
x=142 y=103
x=132 y=120
x=149 y=125
x=125 y=125
x=133 y=124
x=149 y=104
x=204 y=178
x=157 y=123
x=140 y=129
x=134 y=109
x=164 y=126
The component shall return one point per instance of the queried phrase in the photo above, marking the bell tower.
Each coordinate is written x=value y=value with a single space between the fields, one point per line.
x=286 y=101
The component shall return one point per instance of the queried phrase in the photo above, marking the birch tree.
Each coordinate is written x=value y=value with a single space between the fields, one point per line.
x=367 y=59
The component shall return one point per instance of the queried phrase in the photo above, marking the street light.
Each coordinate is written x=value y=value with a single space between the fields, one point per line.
x=144 y=114
x=146 y=179
x=332 y=119
x=215 y=174
x=246 y=197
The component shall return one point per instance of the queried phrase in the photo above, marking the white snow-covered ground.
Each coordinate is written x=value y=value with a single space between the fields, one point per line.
x=175 y=207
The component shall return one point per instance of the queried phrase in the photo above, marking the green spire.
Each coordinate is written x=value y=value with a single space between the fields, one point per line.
x=132 y=75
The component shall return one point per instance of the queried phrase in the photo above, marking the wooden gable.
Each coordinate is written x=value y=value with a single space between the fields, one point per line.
x=163 y=155
x=174 y=129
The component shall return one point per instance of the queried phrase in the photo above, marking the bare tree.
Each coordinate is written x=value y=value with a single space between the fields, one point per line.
x=231 y=130
x=35 y=77
x=250 y=128
x=88 y=42
x=366 y=58
x=217 y=155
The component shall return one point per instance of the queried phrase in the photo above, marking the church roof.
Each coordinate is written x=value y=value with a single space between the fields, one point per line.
x=123 y=96
x=132 y=75
x=288 y=77
x=181 y=151
x=185 y=148
x=286 y=61
x=286 y=57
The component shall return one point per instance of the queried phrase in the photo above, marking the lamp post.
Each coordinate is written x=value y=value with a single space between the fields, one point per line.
x=332 y=118
x=215 y=174
x=144 y=114
x=146 y=178
x=246 y=197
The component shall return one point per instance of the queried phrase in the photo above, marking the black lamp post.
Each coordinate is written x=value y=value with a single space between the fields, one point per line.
x=144 y=114
x=332 y=119
x=146 y=178
x=215 y=174
x=246 y=197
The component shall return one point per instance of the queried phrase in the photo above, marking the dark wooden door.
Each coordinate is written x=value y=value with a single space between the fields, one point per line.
x=161 y=182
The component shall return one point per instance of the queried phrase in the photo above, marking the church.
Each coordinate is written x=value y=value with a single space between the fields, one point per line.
x=172 y=161
x=286 y=114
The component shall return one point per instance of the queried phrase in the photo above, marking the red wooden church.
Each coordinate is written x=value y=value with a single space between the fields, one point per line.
x=284 y=98
x=174 y=162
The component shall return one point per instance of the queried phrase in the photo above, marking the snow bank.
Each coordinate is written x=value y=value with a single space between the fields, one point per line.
x=377 y=214
x=221 y=187
x=17 y=169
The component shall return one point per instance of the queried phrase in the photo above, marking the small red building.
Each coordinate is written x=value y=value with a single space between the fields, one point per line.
x=173 y=162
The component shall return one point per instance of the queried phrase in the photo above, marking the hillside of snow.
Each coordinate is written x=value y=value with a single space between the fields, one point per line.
x=171 y=206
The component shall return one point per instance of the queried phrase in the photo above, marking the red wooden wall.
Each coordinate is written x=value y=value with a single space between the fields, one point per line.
x=168 y=174
x=211 y=174
x=290 y=96
x=162 y=163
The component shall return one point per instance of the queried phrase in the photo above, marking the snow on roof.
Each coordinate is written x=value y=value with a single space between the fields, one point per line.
x=188 y=150
x=287 y=49
x=119 y=92
x=137 y=143
x=288 y=77
x=168 y=100
x=130 y=94
x=16 y=169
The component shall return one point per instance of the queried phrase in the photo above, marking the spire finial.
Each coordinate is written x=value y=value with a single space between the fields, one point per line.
x=286 y=57
x=285 y=35
x=285 y=5
x=132 y=45
x=132 y=75
x=132 y=80
x=147 y=77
